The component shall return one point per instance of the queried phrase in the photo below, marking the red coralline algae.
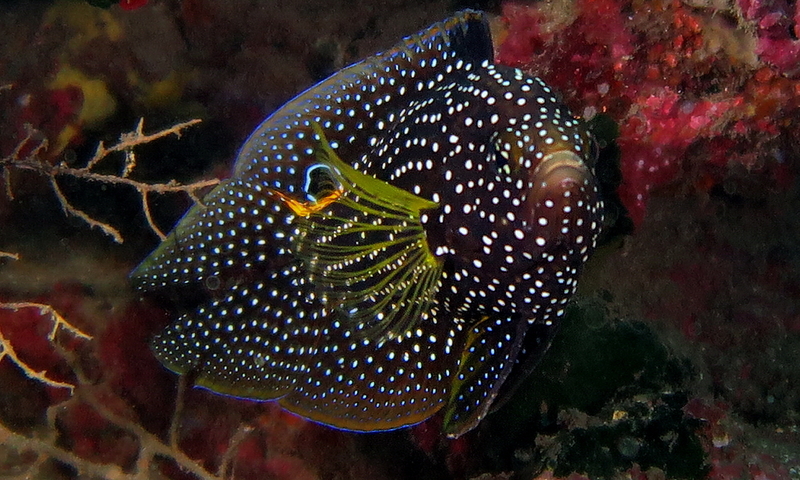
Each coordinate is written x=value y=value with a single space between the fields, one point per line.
x=654 y=140
x=726 y=446
x=691 y=93
x=132 y=4
x=777 y=24
x=706 y=101
x=125 y=357
x=26 y=331
x=92 y=437
x=585 y=62
x=32 y=330
x=50 y=111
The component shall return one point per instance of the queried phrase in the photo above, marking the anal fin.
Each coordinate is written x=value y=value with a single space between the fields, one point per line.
x=536 y=342
x=489 y=355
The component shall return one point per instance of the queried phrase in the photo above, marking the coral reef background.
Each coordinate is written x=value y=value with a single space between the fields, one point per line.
x=679 y=359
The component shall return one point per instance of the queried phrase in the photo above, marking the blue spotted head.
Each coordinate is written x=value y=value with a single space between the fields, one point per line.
x=387 y=240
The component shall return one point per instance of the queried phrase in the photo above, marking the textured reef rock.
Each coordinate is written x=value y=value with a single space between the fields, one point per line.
x=698 y=90
x=702 y=98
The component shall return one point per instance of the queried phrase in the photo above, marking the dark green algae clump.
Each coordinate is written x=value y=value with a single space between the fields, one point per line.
x=608 y=395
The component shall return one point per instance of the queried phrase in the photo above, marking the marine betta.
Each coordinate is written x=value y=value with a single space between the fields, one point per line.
x=387 y=239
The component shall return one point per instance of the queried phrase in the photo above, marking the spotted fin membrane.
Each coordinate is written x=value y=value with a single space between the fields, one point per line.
x=387 y=240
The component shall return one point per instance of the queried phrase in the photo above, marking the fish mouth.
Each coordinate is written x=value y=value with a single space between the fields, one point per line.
x=557 y=172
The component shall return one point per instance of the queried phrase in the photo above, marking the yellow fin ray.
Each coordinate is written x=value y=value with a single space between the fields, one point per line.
x=366 y=251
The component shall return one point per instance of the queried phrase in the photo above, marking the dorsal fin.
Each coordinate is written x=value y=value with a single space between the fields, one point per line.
x=462 y=39
x=466 y=35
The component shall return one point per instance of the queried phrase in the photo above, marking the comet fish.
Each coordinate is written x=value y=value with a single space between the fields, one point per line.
x=387 y=239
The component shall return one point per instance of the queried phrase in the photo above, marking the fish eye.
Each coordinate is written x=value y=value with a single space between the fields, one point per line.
x=501 y=163
x=320 y=182
x=506 y=149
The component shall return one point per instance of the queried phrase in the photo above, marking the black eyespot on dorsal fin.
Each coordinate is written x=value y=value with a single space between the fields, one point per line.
x=468 y=35
x=465 y=36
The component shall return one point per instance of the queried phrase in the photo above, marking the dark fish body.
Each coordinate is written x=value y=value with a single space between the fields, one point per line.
x=387 y=239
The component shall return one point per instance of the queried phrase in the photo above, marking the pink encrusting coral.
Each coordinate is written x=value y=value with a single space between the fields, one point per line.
x=688 y=86
x=777 y=25
x=655 y=139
